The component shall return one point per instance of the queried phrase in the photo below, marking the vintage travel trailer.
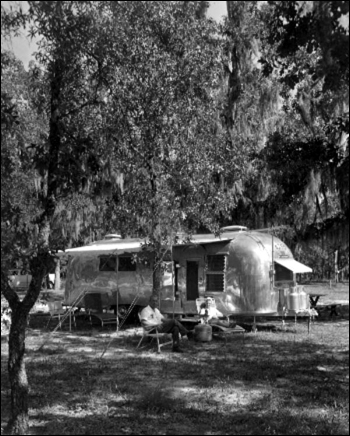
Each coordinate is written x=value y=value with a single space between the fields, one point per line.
x=246 y=272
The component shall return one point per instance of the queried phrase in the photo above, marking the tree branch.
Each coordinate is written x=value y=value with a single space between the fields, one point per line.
x=88 y=103
x=8 y=292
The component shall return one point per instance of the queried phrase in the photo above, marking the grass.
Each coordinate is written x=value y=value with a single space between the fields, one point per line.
x=334 y=292
x=269 y=383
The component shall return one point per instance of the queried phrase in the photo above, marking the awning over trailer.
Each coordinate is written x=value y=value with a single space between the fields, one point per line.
x=202 y=239
x=120 y=247
x=106 y=248
x=293 y=265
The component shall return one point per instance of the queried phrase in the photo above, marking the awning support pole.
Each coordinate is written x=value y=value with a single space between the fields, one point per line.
x=273 y=262
x=172 y=275
x=117 y=309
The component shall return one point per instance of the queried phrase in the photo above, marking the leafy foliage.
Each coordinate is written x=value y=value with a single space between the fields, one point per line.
x=162 y=125
x=148 y=118
x=298 y=178
x=20 y=127
x=315 y=27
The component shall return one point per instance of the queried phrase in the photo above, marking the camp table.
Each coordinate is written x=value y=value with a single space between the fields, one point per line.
x=333 y=309
x=313 y=297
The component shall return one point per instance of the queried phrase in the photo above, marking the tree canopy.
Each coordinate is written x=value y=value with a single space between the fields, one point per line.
x=149 y=118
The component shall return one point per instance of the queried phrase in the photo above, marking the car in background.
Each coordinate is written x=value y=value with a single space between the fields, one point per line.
x=19 y=279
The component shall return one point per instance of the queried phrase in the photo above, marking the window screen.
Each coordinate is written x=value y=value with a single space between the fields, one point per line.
x=215 y=282
x=108 y=263
x=216 y=263
x=215 y=276
x=126 y=264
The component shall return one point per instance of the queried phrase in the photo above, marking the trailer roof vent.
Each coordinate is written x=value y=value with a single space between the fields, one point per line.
x=234 y=229
x=113 y=236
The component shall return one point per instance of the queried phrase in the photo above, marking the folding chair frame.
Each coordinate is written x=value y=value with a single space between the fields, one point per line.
x=58 y=314
x=93 y=307
x=154 y=334
x=105 y=318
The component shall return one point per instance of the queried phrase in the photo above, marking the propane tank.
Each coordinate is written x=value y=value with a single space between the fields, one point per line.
x=203 y=333
x=304 y=303
x=293 y=299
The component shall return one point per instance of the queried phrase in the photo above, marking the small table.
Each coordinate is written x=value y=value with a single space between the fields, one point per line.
x=314 y=300
x=333 y=309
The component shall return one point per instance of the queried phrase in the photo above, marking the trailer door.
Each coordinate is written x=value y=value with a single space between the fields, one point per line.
x=192 y=280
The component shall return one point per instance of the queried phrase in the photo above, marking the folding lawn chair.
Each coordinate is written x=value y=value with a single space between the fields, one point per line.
x=56 y=311
x=153 y=333
x=94 y=307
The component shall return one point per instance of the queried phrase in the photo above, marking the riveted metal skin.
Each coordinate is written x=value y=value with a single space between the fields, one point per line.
x=249 y=285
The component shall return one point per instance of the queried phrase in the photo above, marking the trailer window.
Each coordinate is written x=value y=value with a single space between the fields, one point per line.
x=126 y=264
x=108 y=263
x=215 y=274
x=283 y=274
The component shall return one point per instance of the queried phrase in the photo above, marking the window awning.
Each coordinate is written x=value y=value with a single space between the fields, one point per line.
x=203 y=239
x=105 y=249
x=293 y=265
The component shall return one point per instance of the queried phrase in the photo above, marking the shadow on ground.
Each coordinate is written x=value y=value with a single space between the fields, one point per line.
x=266 y=383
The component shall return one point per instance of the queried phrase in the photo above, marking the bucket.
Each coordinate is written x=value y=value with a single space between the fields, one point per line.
x=203 y=333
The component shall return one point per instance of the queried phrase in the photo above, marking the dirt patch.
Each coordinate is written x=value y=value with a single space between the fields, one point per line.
x=269 y=382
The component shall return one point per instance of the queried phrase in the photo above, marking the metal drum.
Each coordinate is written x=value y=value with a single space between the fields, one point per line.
x=293 y=299
x=304 y=303
x=282 y=301
x=203 y=333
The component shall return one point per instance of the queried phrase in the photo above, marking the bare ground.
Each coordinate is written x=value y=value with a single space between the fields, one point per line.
x=286 y=382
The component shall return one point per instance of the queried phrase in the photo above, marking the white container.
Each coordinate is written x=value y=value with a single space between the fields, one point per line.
x=293 y=299
x=304 y=303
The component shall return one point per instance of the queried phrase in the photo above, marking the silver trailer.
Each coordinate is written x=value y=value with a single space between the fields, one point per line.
x=246 y=272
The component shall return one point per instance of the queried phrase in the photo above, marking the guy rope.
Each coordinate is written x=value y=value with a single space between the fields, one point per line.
x=123 y=319
x=132 y=305
x=64 y=317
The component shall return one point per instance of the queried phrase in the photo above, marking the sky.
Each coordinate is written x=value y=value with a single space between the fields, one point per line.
x=217 y=10
x=23 y=47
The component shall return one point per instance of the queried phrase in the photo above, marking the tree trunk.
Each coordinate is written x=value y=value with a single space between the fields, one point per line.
x=157 y=277
x=19 y=422
x=57 y=274
x=39 y=264
x=336 y=276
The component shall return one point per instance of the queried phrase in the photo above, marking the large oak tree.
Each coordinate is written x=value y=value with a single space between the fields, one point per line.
x=125 y=100
x=162 y=69
x=43 y=146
